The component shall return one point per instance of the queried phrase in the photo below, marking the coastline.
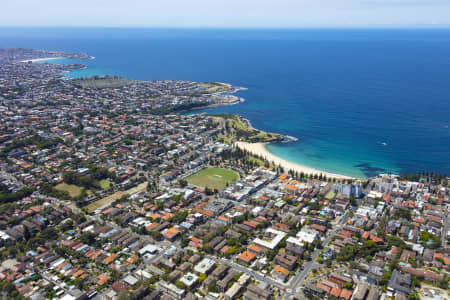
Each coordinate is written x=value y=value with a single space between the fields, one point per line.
x=260 y=150
x=254 y=148
x=40 y=59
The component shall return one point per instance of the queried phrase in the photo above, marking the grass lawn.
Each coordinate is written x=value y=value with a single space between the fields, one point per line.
x=111 y=198
x=330 y=195
x=104 y=184
x=105 y=201
x=215 y=87
x=240 y=131
x=213 y=178
x=73 y=190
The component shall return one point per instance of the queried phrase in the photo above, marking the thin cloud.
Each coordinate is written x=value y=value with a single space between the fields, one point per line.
x=408 y=2
x=226 y=13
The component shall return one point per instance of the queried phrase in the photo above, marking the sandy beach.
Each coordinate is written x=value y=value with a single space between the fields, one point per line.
x=260 y=149
x=41 y=59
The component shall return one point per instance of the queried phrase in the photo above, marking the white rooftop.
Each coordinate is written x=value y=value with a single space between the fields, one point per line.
x=204 y=265
x=304 y=235
x=130 y=280
x=276 y=238
x=149 y=249
x=189 y=279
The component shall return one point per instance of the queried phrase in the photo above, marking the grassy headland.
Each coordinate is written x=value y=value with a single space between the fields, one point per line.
x=104 y=82
x=239 y=129
x=216 y=87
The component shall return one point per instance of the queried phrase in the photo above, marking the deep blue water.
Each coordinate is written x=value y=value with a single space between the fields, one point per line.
x=343 y=93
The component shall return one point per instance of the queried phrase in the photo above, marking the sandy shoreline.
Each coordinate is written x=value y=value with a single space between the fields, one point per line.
x=41 y=59
x=260 y=150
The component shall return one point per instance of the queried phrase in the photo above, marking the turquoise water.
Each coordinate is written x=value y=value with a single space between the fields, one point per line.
x=361 y=102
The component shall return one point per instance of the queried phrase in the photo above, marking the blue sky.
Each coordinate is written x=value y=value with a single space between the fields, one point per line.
x=226 y=13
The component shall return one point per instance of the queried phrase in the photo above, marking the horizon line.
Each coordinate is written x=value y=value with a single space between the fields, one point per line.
x=387 y=26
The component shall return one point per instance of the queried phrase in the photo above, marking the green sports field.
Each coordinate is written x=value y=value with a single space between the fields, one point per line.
x=73 y=190
x=213 y=178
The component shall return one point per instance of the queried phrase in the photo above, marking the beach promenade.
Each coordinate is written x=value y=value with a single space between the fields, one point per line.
x=260 y=150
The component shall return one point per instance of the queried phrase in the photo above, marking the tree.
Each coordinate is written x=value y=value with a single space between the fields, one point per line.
x=180 y=285
x=49 y=233
x=123 y=295
x=212 y=286
x=87 y=237
x=348 y=285
x=208 y=191
x=67 y=225
x=7 y=197
x=207 y=248
x=233 y=241
x=26 y=233
x=98 y=173
x=177 y=198
x=10 y=290
x=184 y=241
x=156 y=235
x=443 y=284
x=237 y=276
x=386 y=277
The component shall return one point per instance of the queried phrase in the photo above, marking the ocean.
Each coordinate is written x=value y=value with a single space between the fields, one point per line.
x=360 y=101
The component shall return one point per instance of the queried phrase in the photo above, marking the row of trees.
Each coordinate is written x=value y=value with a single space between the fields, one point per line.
x=7 y=197
x=41 y=142
x=96 y=174
x=426 y=176
x=251 y=161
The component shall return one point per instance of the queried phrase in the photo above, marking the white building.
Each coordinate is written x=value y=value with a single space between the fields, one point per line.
x=151 y=249
x=305 y=235
x=366 y=211
x=171 y=289
x=189 y=279
x=233 y=291
x=204 y=266
x=272 y=238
